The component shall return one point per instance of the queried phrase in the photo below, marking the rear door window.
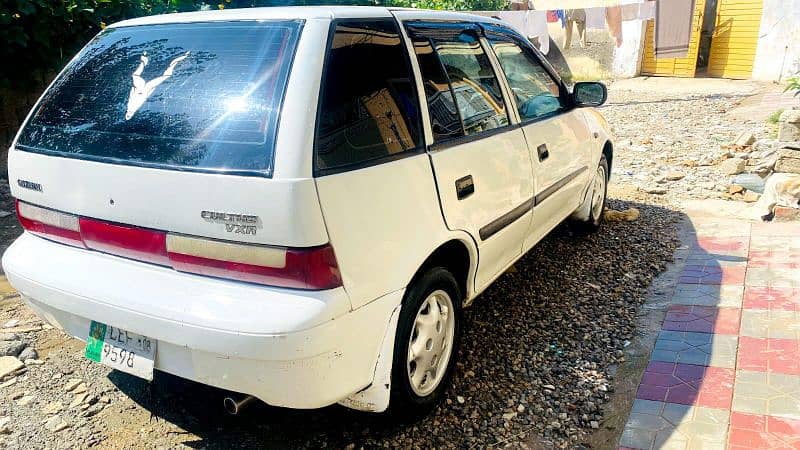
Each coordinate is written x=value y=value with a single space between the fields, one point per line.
x=199 y=96
x=463 y=93
x=369 y=109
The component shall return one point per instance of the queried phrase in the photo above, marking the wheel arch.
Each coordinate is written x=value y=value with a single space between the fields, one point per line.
x=608 y=152
x=457 y=256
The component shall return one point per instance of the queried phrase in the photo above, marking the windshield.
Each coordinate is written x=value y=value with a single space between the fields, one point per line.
x=199 y=96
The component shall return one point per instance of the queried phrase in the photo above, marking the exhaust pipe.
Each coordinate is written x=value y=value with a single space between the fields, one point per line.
x=234 y=406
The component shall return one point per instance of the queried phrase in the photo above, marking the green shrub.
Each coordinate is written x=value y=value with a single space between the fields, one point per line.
x=40 y=36
x=794 y=85
x=774 y=117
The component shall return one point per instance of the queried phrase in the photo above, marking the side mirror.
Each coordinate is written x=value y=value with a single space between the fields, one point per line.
x=589 y=93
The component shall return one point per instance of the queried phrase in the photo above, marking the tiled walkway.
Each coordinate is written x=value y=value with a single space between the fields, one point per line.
x=725 y=370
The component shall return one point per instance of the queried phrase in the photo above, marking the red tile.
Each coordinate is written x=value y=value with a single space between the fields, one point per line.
x=702 y=319
x=722 y=244
x=775 y=229
x=688 y=385
x=771 y=298
x=713 y=274
x=755 y=432
x=769 y=355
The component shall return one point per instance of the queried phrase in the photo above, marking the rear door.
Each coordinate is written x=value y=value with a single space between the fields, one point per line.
x=480 y=159
x=175 y=127
x=374 y=179
x=556 y=133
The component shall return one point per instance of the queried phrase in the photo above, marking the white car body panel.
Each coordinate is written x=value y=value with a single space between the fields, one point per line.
x=501 y=169
x=565 y=136
x=289 y=214
x=295 y=348
x=389 y=246
x=285 y=347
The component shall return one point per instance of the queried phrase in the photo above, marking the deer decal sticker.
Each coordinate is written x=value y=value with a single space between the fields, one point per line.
x=141 y=89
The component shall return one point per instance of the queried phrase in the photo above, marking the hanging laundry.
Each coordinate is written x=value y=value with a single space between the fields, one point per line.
x=614 y=23
x=562 y=17
x=531 y=24
x=673 y=28
x=639 y=11
x=576 y=18
x=595 y=18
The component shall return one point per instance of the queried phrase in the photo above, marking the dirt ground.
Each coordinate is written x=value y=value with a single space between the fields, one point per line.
x=545 y=347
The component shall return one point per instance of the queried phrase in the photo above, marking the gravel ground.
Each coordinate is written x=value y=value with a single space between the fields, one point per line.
x=540 y=349
x=672 y=142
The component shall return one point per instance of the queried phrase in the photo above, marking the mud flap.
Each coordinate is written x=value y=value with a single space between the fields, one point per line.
x=375 y=397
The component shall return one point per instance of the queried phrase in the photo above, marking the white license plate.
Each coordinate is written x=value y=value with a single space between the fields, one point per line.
x=121 y=350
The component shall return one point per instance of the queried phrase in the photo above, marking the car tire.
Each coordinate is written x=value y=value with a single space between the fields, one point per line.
x=426 y=344
x=597 y=191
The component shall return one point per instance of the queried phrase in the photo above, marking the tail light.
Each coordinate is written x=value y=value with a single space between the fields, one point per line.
x=301 y=268
x=54 y=225
x=307 y=268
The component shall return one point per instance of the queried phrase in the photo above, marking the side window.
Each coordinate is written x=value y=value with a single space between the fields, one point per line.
x=535 y=91
x=368 y=107
x=463 y=93
x=445 y=120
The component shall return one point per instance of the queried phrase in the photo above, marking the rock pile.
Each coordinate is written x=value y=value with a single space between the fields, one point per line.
x=765 y=158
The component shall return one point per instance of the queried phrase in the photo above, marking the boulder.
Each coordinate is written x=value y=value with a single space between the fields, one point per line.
x=744 y=139
x=9 y=365
x=733 y=166
x=749 y=181
x=11 y=348
x=674 y=176
x=751 y=197
x=735 y=189
x=788 y=161
x=28 y=353
x=789 y=125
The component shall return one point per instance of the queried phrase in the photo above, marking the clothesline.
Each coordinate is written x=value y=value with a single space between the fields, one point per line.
x=533 y=23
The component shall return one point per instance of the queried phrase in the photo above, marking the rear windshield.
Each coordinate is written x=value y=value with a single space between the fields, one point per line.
x=202 y=96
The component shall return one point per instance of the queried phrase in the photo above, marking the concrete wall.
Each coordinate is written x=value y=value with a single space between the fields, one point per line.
x=778 y=50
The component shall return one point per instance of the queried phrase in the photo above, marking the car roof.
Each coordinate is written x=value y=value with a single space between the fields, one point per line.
x=298 y=12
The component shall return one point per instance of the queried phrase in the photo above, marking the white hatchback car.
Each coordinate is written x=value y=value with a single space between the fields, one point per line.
x=296 y=203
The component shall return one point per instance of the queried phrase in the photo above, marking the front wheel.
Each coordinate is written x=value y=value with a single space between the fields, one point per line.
x=426 y=344
x=597 y=192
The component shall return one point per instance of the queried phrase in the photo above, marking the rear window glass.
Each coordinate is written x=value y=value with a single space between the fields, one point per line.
x=203 y=96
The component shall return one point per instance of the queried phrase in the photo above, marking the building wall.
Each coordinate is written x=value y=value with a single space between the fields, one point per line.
x=778 y=50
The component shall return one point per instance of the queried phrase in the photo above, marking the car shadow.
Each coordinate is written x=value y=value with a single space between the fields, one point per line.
x=542 y=341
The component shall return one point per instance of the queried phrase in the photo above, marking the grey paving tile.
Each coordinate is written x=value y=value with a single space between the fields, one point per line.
x=769 y=277
x=767 y=393
x=701 y=349
x=658 y=425
x=770 y=324
x=723 y=296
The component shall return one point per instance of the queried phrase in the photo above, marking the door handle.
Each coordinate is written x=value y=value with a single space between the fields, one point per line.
x=464 y=187
x=542 y=152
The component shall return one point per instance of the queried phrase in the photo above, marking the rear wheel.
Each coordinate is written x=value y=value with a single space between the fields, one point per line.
x=426 y=344
x=597 y=192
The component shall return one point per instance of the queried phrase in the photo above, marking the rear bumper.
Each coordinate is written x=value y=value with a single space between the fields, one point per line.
x=298 y=349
